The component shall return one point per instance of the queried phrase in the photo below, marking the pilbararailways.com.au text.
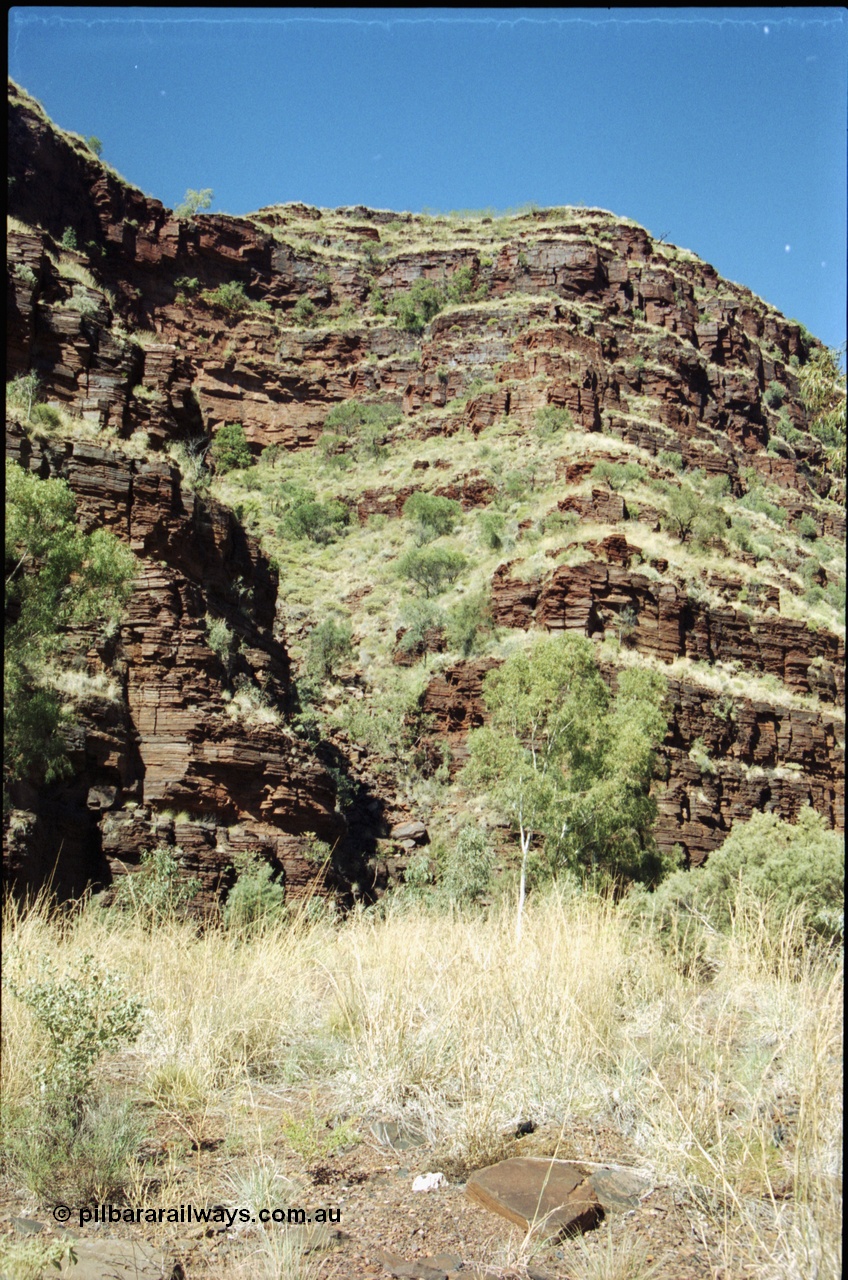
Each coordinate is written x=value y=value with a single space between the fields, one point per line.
x=217 y=1214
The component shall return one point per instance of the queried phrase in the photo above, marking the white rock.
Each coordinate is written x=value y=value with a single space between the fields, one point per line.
x=429 y=1181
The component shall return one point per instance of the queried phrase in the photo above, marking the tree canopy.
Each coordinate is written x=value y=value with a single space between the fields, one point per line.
x=56 y=577
x=570 y=763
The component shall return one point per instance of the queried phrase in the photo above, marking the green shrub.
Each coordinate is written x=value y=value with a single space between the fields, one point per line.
x=45 y=415
x=551 y=420
x=421 y=619
x=229 y=297
x=805 y=527
x=69 y=238
x=431 y=516
x=157 y=892
x=787 y=868
x=467 y=867
x=617 y=474
x=492 y=527
x=318 y=521
x=219 y=637
x=432 y=569
x=329 y=646
x=468 y=622
x=94 y=144
x=351 y=417
x=668 y=458
x=230 y=449
x=417 y=306
x=256 y=898
x=23 y=271
x=193 y=202
x=774 y=395
x=303 y=311
x=85 y=1015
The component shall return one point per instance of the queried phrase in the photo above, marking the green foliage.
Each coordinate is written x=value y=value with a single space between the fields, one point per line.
x=617 y=475
x=194 y=202
x=417 y=306
x=431 y=515
x=303 y=311
x=756 y=500
x=468 y=622
x=230 y=449
x=551 y=420
x=85 y=1015
x=377 y=301
x=467 y=867
x=256 y=898
x=805 y=527
x=774 y=395
x=492 y=528
x=796 y=868
x=30 y=1257
x=433 y=569
x=94 y=144
x=219 y=637
x=69 y=238
x=318 y=521
x=353 y=417
x=56 y=578
x=229 y=297
x=329 y=646
x=823 y=391
x=22 y=392
x=689 y=515
x=569 y=764
x=157 y=892
x=668 y=458
x=186 y=285
x=23 y=271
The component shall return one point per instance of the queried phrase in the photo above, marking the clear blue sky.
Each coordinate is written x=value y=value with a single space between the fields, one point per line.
x=724 y=129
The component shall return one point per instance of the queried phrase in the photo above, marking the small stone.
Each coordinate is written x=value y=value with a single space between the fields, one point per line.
x=27 y=1226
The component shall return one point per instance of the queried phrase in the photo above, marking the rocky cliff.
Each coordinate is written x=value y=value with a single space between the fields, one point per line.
x=566 y=373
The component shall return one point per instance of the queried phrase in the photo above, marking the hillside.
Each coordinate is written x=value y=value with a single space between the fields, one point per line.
x=624 y=432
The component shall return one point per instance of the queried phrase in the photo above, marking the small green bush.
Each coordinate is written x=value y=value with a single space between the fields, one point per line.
x=157 y=892
x=194 y=202
x=468 y=622
x=352 y=417
x=69 y=238
x=617 y=475
x=329 y=646
x=417 y=306
x=230 y=449
x=788 y=867
x=671 y=459
x=550 y=421
x=467 y=867
x=318 y=521
x=432 y=569
x=94 y=144
x=805 y=527
x=774 y=395
x=431 y=515
x=256 y=898
x=229 y=297
x=303 y=311
x=492 y=529
x=219 y=637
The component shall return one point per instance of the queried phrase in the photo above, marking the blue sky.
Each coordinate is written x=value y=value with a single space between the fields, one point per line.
x=723 y=129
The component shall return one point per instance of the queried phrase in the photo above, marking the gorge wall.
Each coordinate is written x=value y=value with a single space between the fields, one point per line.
x=149 y=332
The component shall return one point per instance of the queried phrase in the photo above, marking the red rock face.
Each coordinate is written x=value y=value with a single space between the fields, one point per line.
x=591 y=316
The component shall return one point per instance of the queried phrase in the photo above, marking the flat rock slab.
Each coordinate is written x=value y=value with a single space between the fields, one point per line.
x=554 y=1197
x=117 y=1260
x=436 y=1267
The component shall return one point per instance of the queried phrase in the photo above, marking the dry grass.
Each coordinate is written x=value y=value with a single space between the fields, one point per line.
x=728 y=1089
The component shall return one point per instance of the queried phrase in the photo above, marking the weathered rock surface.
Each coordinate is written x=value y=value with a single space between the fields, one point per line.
x=549 y=1197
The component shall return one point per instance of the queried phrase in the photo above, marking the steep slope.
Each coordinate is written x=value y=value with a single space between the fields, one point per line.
x=559 y=374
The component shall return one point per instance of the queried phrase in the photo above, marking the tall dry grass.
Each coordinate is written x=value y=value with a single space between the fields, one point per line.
x=728 y=1087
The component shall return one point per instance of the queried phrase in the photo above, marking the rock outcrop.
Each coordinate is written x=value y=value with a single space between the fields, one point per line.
x=148 y=332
